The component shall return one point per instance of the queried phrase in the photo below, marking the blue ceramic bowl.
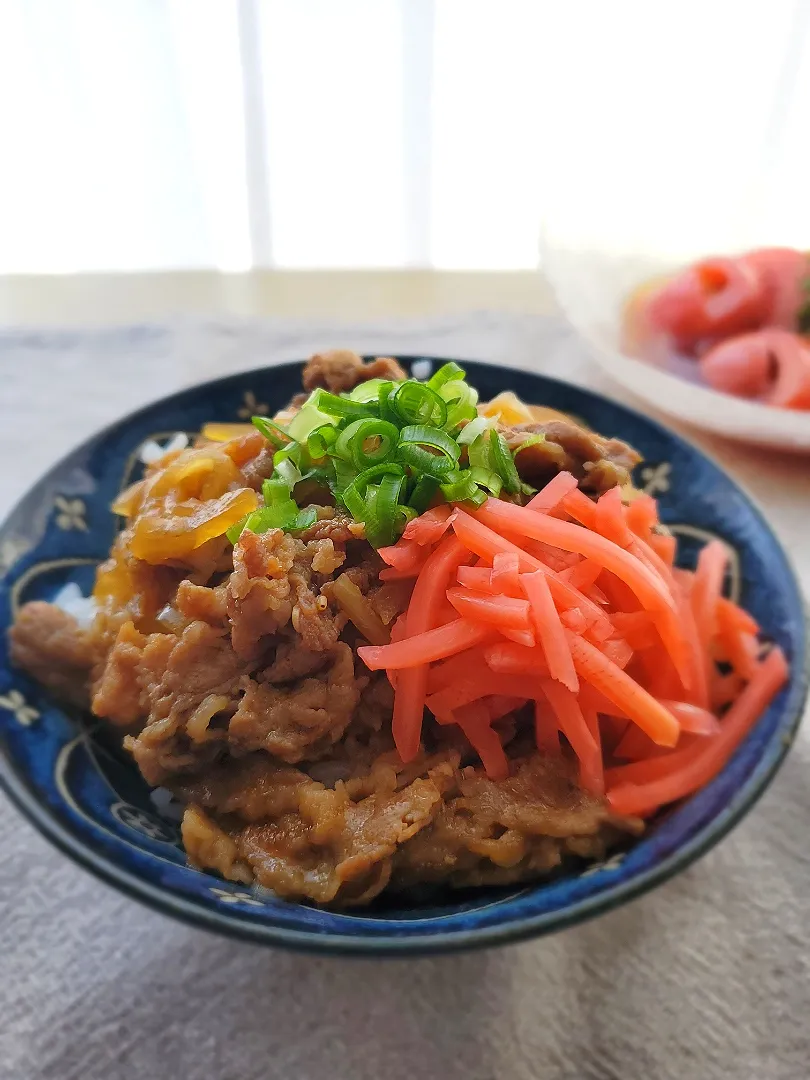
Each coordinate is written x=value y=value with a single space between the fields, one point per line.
x=69 y=778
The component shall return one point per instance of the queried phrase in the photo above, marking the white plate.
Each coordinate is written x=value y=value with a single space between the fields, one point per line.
x=592 y=287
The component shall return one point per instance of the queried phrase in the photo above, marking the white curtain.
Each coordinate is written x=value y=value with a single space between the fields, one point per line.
x=158 y=134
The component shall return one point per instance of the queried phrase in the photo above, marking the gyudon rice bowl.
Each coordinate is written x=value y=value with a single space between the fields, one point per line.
x=396 y=639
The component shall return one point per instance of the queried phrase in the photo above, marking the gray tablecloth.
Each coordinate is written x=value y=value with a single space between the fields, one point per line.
x=708 y=977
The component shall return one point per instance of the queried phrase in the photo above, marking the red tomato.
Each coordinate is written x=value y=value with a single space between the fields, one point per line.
x=739 y=365
x=791 y=388
x=782 y=272
x=772 y=366
x=710 y=299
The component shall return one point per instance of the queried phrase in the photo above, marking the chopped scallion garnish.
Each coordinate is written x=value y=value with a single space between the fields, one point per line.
x=274 y=434
x=472 y=430
x=387 y=451
x=503 y=463
x=305 y=421
x=366 y=442
x=335 y=405
x=445 y=374
x=415 y=403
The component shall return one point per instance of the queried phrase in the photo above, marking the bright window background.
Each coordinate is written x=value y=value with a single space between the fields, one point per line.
x=161 y=134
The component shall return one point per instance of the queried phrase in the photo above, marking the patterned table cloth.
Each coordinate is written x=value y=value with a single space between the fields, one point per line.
x=707 y=978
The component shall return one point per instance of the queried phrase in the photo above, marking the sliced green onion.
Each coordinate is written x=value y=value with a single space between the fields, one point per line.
x=255 y=521
x=459 y=414
x=478 y=451
x=387 y=451
x=345 y=473
x=412 y=451
x=235 y=531
x=314 y=482
x=284 y=516
x=502 y=462
x=322 y=473
x=306 y=420
x=405 y=513
x=280 y=513
x=320 y=440
x=488 y=479
x=460 y=391
x=368 y=390
x=381 y=510
x=352 y=443
x=423 y=461
x=445 y=374
x=478 y=498
x=280 y=516
x=431 y=436
x=287 y=471
x=532 y=440
x=423 y=493
x=341 y=406
x=272 y=432
x=354 y=495
x=387 y=411
x=306 y=518
x=459 y=486
x=354 y=502
x=341 y=448
x=461 y=400
x=415 y=403
x=275 y=491
x=295 y=455
x=290 y=450
x=472 y=430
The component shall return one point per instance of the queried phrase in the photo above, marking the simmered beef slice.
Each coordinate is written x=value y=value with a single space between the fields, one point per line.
x=302 y=721
x=273 y=583
x=425 y=823
x=52 y=648
x=350 y=844
x=311 y=842
x=189 y=697
x=121 y=689
x=201 y=603
x=161 y=676
x=177 y=686
x=597 y=463
x=210 y=847
x=291 y=661
x=496 y=832
x=250 y=788
x=341 y=370
x=259 y=597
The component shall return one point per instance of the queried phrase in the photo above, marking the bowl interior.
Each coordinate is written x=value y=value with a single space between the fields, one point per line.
x=66 y=772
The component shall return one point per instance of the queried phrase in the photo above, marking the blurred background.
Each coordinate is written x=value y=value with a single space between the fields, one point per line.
x=228 y=135
x=194 y=187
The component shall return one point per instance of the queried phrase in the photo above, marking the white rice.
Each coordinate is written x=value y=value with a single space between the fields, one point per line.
x=82 y=608
x=166 y=804
x=421 y=369
x=153 y=451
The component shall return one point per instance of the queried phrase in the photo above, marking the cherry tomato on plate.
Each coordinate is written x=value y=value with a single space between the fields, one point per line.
x=711 y=299
x=771 y=366
x=783 y=273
